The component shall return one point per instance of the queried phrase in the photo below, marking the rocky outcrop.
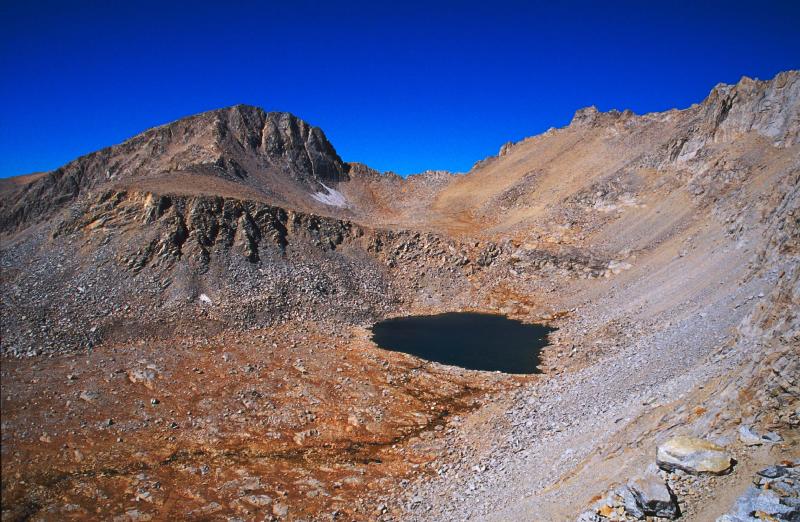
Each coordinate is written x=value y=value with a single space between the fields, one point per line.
x=175 y=227
x=646 y=495
x=591 y=117
x=181 y=226
x=774 y=495
x=156 y=252
x=360 y=170
x=769 y=108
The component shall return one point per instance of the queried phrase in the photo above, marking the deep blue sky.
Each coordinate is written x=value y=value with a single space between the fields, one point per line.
x=402 y=86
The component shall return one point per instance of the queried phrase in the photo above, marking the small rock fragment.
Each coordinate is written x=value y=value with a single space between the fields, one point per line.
x=748 y=436
x=280 y=510
x=772 y=437
x=89 y=396
x=588 y=516
x=258 y=500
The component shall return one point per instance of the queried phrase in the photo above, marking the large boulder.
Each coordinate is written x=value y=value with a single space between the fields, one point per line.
x=649 y=495
x=693 y=455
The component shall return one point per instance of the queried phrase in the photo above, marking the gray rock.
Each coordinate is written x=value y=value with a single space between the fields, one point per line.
x=280 y=510
x=748 y=436
x=588 y=516
x=89 y=396
x=258 y=500
x=755 y=501
x=773 y=472
x=776 y=497
x=650 y=496
x=630 y=503
x=772 y=437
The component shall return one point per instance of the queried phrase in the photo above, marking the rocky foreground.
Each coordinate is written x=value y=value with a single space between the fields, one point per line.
x=185 y=324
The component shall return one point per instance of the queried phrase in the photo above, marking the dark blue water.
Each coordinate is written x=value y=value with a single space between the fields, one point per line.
x=469 y=340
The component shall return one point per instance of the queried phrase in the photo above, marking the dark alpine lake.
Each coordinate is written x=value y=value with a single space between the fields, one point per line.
x=469 y=340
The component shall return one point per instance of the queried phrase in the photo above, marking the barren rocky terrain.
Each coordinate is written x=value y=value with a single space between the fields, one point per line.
x=185 y=323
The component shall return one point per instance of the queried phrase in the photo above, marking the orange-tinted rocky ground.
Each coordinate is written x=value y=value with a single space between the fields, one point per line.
x=300 y=420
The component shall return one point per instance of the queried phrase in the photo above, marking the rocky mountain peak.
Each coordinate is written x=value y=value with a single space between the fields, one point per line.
x=586 y=115
x=768 y=107
x=277 y=138
x=363 y=171
x=591 y=116
x=268 y=152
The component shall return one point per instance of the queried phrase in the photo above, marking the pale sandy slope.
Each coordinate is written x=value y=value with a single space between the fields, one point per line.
x=701 y=207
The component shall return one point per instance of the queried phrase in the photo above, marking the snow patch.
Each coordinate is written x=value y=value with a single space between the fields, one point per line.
x=205 y=299
x=330 y=197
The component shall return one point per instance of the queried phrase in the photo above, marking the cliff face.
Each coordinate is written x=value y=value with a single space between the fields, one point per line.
x=769 y=108
x=766 y=108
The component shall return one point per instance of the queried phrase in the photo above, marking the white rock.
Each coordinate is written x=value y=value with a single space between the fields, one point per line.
x=693 y=455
